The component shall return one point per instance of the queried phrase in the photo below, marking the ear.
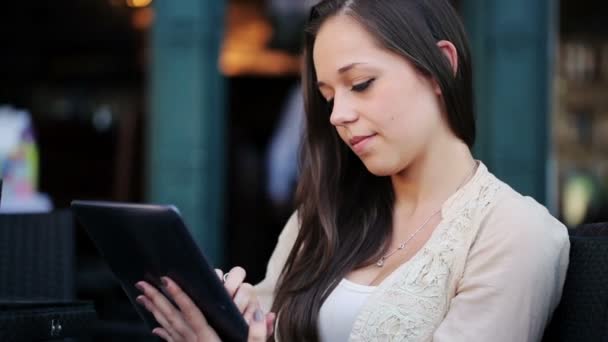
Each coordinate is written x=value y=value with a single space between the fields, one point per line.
x=450 y=52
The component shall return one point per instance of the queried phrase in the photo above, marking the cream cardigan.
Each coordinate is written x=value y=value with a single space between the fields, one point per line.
x=492 y=270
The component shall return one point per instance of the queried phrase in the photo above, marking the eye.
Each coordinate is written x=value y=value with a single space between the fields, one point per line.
x=363 y=86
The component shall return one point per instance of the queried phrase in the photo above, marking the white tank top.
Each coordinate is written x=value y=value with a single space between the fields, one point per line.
x=340 y=309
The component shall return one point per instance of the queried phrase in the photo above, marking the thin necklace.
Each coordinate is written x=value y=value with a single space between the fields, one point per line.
x=380 y=262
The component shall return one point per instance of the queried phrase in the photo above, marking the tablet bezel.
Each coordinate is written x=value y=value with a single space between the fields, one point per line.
x=146 y=242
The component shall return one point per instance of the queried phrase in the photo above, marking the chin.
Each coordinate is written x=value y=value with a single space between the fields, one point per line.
x=380 y=169
x=383 y=165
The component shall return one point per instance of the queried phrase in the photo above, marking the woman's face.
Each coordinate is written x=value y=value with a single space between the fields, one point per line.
x=383 y=108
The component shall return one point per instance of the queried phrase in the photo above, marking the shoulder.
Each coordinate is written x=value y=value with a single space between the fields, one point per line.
x=291 y=229
x=267 y=287
x=520 y=220
x=287 y=239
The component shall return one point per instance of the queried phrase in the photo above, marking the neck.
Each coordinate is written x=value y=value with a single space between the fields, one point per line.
x=433 y=177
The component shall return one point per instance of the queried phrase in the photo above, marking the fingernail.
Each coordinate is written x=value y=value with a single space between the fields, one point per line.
x=139 y=287
x=140 y=300
x=164 y=281
x=258 y=316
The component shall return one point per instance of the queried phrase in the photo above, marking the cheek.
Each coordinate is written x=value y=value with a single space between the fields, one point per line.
x=341 y=133
x=408 y=126
x=395 y=104
x=408 y=109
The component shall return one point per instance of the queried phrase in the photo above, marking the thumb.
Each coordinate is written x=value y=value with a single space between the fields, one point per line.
x=257 y=327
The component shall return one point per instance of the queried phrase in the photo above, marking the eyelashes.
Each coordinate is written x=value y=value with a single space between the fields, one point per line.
x=362 y=86
x=359 y=88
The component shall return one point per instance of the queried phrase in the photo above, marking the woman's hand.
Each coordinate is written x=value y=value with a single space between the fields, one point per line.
x=187 y=323
x=242 y=293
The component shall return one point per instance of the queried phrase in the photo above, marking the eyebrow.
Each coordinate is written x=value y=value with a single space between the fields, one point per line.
x=342 y=70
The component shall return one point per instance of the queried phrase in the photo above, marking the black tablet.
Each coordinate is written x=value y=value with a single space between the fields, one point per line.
x=146 y=242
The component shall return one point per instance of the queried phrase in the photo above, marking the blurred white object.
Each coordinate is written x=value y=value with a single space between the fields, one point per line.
x=282 y=153
x=12 y=123
x=19 y=164
x=35 y=203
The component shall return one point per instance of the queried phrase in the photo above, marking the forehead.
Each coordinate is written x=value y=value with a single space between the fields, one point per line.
x=341 y=40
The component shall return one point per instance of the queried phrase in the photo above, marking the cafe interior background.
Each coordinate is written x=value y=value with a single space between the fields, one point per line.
x=197 y=103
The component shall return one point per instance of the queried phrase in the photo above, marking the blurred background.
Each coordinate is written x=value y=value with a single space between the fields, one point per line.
x=197 y=103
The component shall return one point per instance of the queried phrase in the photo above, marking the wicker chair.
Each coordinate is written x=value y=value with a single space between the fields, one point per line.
x=37 y=256
x=582 y=314
x=37 y=286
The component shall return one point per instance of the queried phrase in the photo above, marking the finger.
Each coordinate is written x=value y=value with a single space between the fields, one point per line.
x=257 y=329
x=220 y=274
x=270 y=318
x=244 y=297
x=172 y=316
x=160 y=318
x=162 y=333
x=250 y=311
x=191 y=312
x=235 y=277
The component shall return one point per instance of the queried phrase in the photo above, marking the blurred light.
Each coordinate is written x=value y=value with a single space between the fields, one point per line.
x=138 y=3
x=142 y=18
x=583 y=198
x=103 y=118
x=244 y=48
x=577 y=198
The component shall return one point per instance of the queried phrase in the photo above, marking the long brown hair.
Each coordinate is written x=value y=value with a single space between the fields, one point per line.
x=345 y=212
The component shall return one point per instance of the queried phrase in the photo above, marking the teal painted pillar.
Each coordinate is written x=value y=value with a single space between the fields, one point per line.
x=186 y=125
x=512 y=44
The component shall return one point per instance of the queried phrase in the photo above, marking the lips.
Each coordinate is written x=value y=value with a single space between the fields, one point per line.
x=358 y=142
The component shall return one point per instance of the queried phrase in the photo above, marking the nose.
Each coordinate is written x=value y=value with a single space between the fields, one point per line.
x=342 y=112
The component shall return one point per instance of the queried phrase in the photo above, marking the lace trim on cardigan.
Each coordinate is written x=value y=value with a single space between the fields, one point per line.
x=410 y=304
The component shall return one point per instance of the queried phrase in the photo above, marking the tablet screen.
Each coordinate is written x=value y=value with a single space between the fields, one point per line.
x=147 y=242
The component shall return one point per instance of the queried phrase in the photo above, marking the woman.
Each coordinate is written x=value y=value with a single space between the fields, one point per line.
x=400 y=235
